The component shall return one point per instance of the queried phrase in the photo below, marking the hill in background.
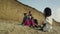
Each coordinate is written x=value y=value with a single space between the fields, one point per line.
x=14 y=10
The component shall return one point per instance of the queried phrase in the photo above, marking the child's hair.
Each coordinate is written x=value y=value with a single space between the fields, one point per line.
x=25 y=14
x=47 y=12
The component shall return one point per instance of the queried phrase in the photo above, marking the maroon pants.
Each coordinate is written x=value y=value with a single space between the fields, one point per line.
x=29 y=23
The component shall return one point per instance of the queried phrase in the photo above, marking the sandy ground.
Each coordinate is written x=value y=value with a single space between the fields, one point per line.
x=7 y=27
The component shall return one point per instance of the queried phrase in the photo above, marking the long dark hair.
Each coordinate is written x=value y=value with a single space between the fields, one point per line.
x=47 y=12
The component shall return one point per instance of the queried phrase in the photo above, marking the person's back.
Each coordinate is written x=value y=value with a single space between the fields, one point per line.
x=24 y=18
x=36 y=22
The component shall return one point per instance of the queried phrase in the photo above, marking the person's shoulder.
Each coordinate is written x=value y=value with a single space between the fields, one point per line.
x=49 y=17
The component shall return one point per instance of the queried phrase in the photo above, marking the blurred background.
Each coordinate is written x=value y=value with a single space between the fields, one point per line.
x=42 y=4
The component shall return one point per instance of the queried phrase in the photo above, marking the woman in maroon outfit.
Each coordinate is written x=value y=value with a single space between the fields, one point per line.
x=31 y=19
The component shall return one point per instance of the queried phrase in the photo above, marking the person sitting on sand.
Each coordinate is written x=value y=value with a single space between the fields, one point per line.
x=31 y=19
x=47 y=23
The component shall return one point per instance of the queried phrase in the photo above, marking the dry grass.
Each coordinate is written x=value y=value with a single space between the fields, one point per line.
x=8 y=27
